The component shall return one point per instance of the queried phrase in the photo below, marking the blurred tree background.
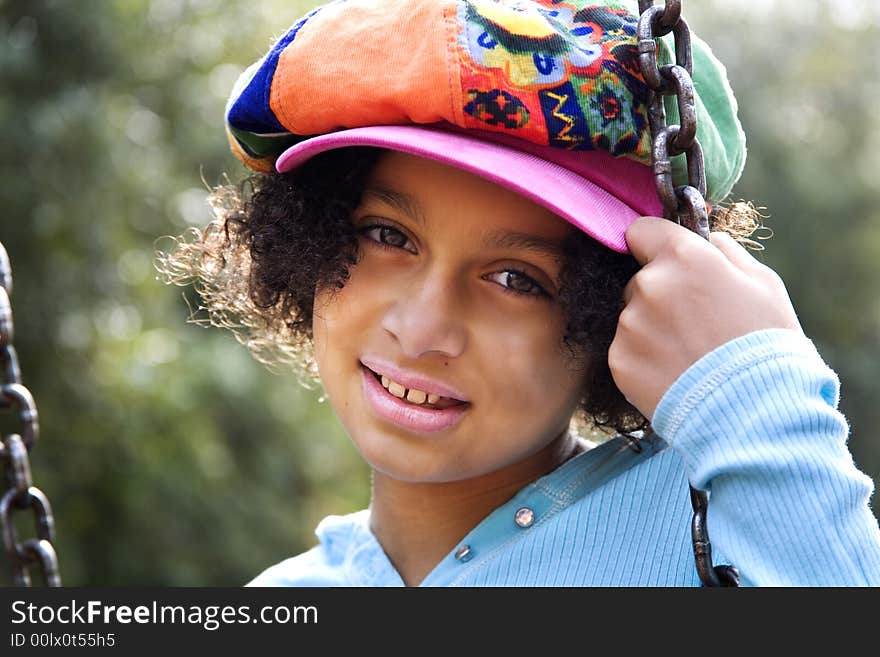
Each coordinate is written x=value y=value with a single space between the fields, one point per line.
x=169 y=455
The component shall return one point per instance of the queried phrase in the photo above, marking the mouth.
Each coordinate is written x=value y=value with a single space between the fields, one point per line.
x=425 y=419
x=416 y=398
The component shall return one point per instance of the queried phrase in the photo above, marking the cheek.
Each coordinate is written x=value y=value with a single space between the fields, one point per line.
x=534 y=364
x=319 y=326
x=343 y=316
x=330 y=327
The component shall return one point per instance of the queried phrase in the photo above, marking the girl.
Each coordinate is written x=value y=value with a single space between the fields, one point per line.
x=454 y=230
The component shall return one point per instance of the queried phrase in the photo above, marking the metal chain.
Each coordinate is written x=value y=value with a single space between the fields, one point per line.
x=20 y=493
x=685 y=204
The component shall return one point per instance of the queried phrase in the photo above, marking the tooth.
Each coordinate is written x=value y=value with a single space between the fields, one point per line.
x=433 y=399
x=416 y=396
x=385 y=380
x=396 y=389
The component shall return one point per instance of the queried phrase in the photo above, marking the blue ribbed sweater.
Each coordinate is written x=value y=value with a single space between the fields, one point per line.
x=754 y=422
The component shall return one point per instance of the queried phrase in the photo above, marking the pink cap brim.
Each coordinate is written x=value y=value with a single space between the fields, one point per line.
x=600 y=194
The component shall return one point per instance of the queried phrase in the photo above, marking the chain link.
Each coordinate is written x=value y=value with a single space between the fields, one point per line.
x=20 y=493
x=685 y=204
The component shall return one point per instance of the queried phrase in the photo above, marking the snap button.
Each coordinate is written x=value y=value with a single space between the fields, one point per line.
x=464 y=553
x=524 y=517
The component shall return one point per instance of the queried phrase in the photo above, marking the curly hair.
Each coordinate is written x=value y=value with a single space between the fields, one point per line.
x=276 y=238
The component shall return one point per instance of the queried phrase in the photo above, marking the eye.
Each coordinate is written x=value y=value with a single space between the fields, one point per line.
x=514 y=281
x=385 y=236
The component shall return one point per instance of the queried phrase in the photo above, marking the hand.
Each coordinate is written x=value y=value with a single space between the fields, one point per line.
x=689 y=297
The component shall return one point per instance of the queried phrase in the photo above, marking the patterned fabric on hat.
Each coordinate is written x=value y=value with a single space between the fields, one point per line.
x=559 y=73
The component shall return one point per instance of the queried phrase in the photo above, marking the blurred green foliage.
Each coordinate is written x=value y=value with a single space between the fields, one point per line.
x=169 y=455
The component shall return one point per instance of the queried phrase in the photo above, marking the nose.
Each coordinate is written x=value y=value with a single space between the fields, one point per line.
x=427 y=316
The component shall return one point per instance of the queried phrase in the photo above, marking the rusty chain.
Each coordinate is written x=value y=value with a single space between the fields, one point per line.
x=20 y=493
x=684 y=204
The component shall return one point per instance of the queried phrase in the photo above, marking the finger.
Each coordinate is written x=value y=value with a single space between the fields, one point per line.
x=733 y=251
x=628 y=291
x=647 y=237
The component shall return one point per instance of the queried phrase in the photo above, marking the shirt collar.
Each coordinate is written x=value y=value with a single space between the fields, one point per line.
x=348 y=540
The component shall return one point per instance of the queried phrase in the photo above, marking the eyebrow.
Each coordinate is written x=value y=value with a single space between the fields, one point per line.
x=505 y=239
x=406 y=203
x=500 y=238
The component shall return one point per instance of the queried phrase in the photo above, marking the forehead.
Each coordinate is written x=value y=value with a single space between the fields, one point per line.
x=428 y=190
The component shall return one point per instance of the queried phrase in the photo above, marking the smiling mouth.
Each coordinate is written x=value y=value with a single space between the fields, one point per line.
x=442 y=403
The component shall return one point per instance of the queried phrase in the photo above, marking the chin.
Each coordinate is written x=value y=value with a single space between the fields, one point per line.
x=392 y=457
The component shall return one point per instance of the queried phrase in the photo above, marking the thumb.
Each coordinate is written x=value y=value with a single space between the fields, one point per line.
x=647 y=237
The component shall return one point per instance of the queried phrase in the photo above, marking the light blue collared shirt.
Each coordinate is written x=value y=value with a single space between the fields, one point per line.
x=755 y=422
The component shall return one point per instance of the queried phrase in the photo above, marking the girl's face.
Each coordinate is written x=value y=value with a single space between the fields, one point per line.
x=456 y=284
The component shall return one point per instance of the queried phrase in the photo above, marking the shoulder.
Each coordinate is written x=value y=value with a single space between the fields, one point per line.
x=311 y=568
x=322 y=565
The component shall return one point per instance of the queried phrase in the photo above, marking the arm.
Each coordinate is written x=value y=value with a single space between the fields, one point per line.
x=709 y=346
x=757 y=425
